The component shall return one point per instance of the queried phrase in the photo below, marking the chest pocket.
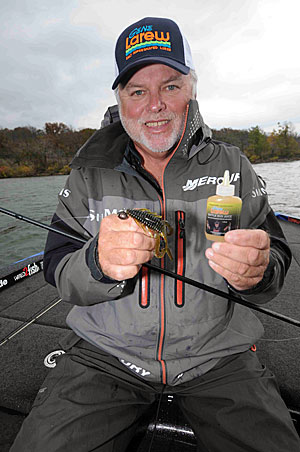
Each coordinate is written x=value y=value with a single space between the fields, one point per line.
x=180 y=257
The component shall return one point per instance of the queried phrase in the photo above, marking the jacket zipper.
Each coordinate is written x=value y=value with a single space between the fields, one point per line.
x=180 y=257
x=162 y=319
x=162 y=330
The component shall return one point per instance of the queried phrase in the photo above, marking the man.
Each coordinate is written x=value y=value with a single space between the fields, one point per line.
x=136 y=333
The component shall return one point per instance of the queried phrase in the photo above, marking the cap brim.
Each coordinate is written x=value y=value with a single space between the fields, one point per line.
x=130 y=69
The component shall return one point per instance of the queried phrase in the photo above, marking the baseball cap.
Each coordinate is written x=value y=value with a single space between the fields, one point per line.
x=151 y=40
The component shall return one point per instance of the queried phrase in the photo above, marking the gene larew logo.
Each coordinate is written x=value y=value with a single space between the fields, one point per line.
x=144 y=38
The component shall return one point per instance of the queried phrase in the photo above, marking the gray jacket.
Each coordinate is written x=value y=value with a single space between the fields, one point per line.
x=163 y=330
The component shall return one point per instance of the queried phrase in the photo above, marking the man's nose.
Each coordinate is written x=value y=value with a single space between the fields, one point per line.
x=156 y=103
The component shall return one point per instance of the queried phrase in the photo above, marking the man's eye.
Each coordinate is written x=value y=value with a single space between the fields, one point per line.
x=171 y=87
x=138 y=92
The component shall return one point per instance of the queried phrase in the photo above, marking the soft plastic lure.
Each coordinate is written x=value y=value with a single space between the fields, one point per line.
x=153 y=224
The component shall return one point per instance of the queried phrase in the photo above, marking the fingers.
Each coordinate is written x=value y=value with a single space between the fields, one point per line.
x=124 y=265
x=256 y=238
x=242 y=259
x=123 y=247
x=236 y=279
x=129 y=239
x=247 y=255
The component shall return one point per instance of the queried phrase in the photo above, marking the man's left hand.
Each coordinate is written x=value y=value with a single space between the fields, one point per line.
x=242 y=258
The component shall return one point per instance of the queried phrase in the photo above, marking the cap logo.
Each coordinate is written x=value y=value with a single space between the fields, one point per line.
x=140 y=30
x=144 y=38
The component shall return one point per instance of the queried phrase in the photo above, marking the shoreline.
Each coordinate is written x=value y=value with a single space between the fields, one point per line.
x=67 y=173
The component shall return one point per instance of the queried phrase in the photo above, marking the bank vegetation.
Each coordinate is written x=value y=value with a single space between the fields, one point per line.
x=27 y=151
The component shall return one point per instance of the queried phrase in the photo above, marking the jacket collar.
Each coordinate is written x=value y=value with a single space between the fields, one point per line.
x=196 y=133
x=106 y=147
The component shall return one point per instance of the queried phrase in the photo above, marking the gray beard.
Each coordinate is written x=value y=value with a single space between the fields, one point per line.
x=140 y=138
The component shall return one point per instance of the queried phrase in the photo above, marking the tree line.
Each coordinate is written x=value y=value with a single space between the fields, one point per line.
x=28 y=151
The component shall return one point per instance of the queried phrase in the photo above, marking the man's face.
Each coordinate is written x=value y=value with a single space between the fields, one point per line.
x=153 y=105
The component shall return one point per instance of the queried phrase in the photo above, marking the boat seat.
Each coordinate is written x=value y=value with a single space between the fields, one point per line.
x=171 y=432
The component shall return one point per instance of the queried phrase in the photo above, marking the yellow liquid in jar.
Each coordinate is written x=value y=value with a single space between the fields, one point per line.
x=222 y=215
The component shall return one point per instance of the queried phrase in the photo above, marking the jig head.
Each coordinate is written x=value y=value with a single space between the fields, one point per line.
x=153 y=224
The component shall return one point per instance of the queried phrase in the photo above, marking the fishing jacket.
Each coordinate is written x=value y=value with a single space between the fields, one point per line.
x=162 y=329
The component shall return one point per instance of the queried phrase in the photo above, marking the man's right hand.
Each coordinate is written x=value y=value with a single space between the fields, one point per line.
x=123 y=247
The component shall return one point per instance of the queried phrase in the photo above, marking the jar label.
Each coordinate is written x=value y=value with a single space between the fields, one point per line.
x=222 y=218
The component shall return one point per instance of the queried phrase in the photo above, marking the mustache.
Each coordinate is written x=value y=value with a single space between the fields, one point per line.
x=166 y=117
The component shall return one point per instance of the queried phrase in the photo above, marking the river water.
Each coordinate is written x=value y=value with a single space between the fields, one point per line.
x=36 y=197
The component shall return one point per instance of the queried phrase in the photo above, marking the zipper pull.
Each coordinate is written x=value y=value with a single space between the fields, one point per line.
x=181 y=228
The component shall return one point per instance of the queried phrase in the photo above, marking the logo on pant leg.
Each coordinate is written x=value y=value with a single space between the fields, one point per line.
x=50 y=359
x=136 y=369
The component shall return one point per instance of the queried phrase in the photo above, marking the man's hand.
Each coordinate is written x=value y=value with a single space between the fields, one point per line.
x=123 y=247
x=242 y=259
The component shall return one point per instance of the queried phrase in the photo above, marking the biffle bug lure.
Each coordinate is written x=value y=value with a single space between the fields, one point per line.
x=153 y=224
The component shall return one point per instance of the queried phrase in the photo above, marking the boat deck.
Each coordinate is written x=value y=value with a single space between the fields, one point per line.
x=22 y=357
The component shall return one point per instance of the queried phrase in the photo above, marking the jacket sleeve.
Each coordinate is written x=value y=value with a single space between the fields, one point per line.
x=259 y=215
x=280 y=259
x=71 y=265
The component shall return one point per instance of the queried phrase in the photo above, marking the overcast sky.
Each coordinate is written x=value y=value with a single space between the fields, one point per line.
x=57 y=59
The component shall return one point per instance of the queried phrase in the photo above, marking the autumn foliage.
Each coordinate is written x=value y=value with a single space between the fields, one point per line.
x=280 y=145
x=27 y=151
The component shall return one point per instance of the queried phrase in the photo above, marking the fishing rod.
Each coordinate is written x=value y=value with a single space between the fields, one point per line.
x=29 y=321
x=39 y=224
x=169 y=273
